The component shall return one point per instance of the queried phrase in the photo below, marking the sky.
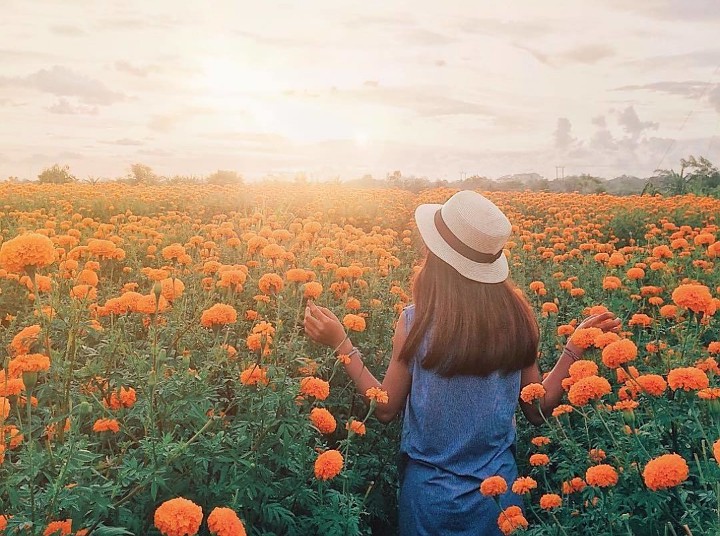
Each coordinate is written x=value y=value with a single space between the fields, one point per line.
x=343 y=89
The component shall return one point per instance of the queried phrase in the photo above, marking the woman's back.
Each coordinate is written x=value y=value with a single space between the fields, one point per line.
x=457 y=431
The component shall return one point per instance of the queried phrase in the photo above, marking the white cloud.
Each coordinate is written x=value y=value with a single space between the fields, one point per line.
x=65 y=82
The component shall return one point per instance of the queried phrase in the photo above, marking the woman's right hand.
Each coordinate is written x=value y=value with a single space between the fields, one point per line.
x=606 y=321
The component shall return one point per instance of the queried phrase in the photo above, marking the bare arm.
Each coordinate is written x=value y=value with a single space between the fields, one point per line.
x=553 y=382
x=324 y=327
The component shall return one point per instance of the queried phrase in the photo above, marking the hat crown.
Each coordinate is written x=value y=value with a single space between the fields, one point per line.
x=476 y=221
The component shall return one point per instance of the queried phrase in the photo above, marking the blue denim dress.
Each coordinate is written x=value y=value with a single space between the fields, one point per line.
x=456 y=432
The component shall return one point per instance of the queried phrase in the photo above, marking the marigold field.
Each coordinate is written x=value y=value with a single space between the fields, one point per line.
x=157 y=380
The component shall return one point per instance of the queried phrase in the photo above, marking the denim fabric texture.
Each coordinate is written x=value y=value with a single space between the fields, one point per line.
x=457 y=432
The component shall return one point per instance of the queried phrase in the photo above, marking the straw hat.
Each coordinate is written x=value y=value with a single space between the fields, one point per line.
x=468 y=232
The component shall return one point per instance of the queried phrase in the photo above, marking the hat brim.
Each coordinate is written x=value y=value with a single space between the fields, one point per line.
x=494 y=272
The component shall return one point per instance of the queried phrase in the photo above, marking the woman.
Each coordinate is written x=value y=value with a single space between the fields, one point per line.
x=461 y=355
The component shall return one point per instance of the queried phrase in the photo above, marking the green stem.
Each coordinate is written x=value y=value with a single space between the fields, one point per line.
x=31 y=453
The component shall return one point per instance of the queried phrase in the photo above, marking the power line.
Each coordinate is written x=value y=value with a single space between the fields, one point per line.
x=708 y=84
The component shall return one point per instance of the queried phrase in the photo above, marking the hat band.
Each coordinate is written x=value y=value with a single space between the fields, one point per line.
x=461 y=248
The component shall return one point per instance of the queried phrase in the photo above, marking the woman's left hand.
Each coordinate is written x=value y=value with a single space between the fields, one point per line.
x=323 y=326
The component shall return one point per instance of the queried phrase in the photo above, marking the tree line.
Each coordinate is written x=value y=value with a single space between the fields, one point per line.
x=696 y=175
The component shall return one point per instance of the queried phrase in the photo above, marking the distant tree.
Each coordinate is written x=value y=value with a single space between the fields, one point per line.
x=542 y=185
x=225 y=177
x=696 y=175
x=142 y=174
x=703 y=175
x=184 y=179
x=394 y=179
x=57 y=174
x=92 y=180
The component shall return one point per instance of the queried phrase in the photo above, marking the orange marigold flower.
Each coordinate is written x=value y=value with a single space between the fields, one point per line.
x=4 y=409
x=697 y=298
x=586 y=389
x=84 y=292
x=617 y=259
x=511 y=519
x=312 y=290
x=573 y=485
x=316 y=387
x=531 y=392
x=716 y=451
x=662 y=252
x=668 y=311
x=27 y=252
x=254 y=375
x=626 y=405
x=106 y=425
x=595 y=310
x=178 y=517
x=219 y=314
x=611 y=282
x=619 y=353
x=173 y=251
x=708 y=365
x=564 y=330
x=13 y=437
x=270 y=284
x=714 y=347
x=524 y=484
x=356 y=426
x=58 y=528
x=225 y=522
x=149 y=303
x=51 y=430
x=536 y=286
x=562 y=409
x=23 y=342
x=493 y=486
x=652 y=384
x=635 y=273
x=328 y=465
x=549 y=307
x=640 y=320
x=28 y=363
x=540 y=441
x=537 y=460
x=354 y=322
x=602 y=475
x=582 y=368
x=711 y=393
x=172 y=288
x=597 y=455
x=297 y=275
x=687 y=378
x=602 y=340
x=665 y=472
x=323 y=420
x=585 y=337
x=378 y=395
x=550 y=501
x=123 y=398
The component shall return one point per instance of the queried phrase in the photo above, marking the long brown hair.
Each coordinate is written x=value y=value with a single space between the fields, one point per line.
x=475 y=328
